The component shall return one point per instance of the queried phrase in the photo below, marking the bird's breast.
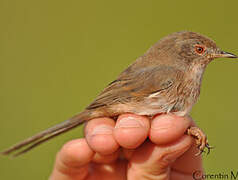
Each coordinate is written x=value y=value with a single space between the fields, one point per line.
x=188 y=91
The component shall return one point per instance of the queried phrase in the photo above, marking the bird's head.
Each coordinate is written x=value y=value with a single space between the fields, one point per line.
x=191 y=48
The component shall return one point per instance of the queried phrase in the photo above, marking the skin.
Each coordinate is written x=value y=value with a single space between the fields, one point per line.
x=133 y=147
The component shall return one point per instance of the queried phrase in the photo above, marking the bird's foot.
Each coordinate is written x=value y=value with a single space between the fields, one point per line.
x=201 y=140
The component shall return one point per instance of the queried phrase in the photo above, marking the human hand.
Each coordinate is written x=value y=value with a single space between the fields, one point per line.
x=167 y=153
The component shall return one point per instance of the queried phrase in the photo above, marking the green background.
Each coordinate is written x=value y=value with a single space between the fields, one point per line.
x=56 y=56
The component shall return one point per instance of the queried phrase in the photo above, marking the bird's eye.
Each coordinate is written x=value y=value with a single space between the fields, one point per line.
x=199 y=49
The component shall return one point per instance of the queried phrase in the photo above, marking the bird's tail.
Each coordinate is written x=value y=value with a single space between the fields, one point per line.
x=31 y=142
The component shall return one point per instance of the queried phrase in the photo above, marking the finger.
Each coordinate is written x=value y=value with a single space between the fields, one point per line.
x=99 y=135
x=188 y=165
x=106 y=159
x=131 y=130
x=115 y=171
x=71 y=162
x=128 y=153
x=152 y=161
x=167 y=128
x=195 y=162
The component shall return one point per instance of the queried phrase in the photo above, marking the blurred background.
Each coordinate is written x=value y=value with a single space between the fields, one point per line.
x=56 y=56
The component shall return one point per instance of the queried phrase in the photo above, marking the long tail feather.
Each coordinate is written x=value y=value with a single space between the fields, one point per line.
x=35 y=144
x=47 y=134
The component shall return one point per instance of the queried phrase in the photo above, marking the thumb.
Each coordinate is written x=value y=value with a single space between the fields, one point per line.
x=151 y=161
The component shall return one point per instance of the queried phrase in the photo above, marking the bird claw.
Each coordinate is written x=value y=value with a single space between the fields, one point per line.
x=201 y=140
x=209 y=148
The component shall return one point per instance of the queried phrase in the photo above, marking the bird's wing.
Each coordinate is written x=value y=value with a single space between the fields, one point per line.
x=136 y=84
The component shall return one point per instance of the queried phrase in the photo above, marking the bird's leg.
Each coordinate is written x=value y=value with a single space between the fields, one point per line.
x=201 y=139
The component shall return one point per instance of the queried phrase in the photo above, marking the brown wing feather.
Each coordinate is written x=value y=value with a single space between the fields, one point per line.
x=130 y=85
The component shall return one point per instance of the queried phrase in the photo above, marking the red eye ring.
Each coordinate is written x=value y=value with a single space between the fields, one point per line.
x=199 y=49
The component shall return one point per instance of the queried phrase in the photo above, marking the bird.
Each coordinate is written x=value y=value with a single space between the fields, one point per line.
x=166 y=79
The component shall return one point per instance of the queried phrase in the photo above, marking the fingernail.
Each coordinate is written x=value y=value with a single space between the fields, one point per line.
x=102 y=129
x=129 y=122
x=175 y=152
x=161 y=123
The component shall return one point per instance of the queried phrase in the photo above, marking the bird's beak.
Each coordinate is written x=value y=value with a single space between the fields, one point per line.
x=223 y=54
